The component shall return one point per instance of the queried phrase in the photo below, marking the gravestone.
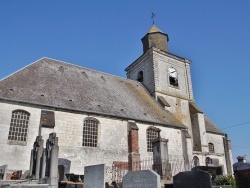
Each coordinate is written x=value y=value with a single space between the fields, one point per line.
x=63 y=168
x=160 y=155
x=192 y=179
x=242 y=173
x=3 y=172
x=61 y=173
x=94 y=176
x=66 y=163
x=143 y=178
x=36 y=157
x=213 y=170
x=51 y=159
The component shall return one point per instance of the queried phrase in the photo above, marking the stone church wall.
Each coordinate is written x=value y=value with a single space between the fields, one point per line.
x=112 y=139
x=17 y=156
x=162 y=63
x=144 y=63
x=173 y=135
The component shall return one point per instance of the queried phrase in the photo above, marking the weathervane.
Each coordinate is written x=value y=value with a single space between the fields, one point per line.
x=153 y=17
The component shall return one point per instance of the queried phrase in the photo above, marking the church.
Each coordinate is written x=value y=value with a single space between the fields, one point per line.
x=93 y=113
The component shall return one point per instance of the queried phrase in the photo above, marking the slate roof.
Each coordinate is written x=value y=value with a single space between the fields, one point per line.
x=154 y=29
x=62 y=85
x=210 y=127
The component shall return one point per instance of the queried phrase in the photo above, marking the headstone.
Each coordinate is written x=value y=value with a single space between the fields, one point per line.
x=63 y=168
x=242 y=173
x=3 y=172
x=61 y=173
x=144 y=178
x=36 y=157
x=94 y=176
x=51 y=155
x=213 y=170
x=160 y=155
x=66 y=163
x=192 y=179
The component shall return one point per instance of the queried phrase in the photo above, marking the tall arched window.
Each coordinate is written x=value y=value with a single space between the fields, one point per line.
x=90 y=132
x=211 y=147
x=19 y=126
x=196 y=161
x=151 y=135
x=140 y=76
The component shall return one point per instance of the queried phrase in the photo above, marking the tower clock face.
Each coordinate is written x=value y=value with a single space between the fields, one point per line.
x=172 y=72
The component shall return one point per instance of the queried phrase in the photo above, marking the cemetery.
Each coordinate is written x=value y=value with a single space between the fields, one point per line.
x=47 y=170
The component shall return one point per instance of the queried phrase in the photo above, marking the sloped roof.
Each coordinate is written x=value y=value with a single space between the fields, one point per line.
x=210 y=127
x=154 y=29
x=53 y=83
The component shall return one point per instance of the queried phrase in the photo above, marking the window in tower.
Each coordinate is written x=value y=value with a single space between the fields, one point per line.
x=173 y=77
x=140 y=76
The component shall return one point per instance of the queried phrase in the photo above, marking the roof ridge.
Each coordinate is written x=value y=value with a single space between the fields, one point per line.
x=109 y=74
x=22 y=68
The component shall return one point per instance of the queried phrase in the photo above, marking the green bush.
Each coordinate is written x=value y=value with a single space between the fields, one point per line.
x=226 y=180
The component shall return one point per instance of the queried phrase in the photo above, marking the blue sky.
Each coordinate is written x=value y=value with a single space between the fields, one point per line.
x=106 y=36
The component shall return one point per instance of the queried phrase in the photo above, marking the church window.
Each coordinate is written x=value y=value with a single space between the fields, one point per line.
x=211 y=147
x=173 y=77
x=90 y=132
x=19 y=127
x=151 y=135
x=140 y=76
x=209 y=161
x=196 y=161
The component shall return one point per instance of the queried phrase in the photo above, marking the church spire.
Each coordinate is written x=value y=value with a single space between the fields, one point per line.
x=155 y=38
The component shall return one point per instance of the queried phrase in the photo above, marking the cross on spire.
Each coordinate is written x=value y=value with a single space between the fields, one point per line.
x=153 y=17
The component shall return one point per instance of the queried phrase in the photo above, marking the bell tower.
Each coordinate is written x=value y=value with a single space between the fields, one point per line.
x=166 y=76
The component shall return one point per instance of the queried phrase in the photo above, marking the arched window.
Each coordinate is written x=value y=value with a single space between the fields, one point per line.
x=173 y=77
x=19 y=126
x=90 y=132
x=209 y=161
x=140 y=76
x=211 y=147
x=196 y=161
x=151 y=135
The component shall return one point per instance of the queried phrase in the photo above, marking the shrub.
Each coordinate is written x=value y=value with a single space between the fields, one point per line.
x=226 y=180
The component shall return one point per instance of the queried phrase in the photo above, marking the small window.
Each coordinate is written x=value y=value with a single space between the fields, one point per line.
x=19 y=127
x=151 y=135
x=173 y=77
x=140 y=76
x=90 y=132
x=196 y=161
x=209 y=161
x=211 y=147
